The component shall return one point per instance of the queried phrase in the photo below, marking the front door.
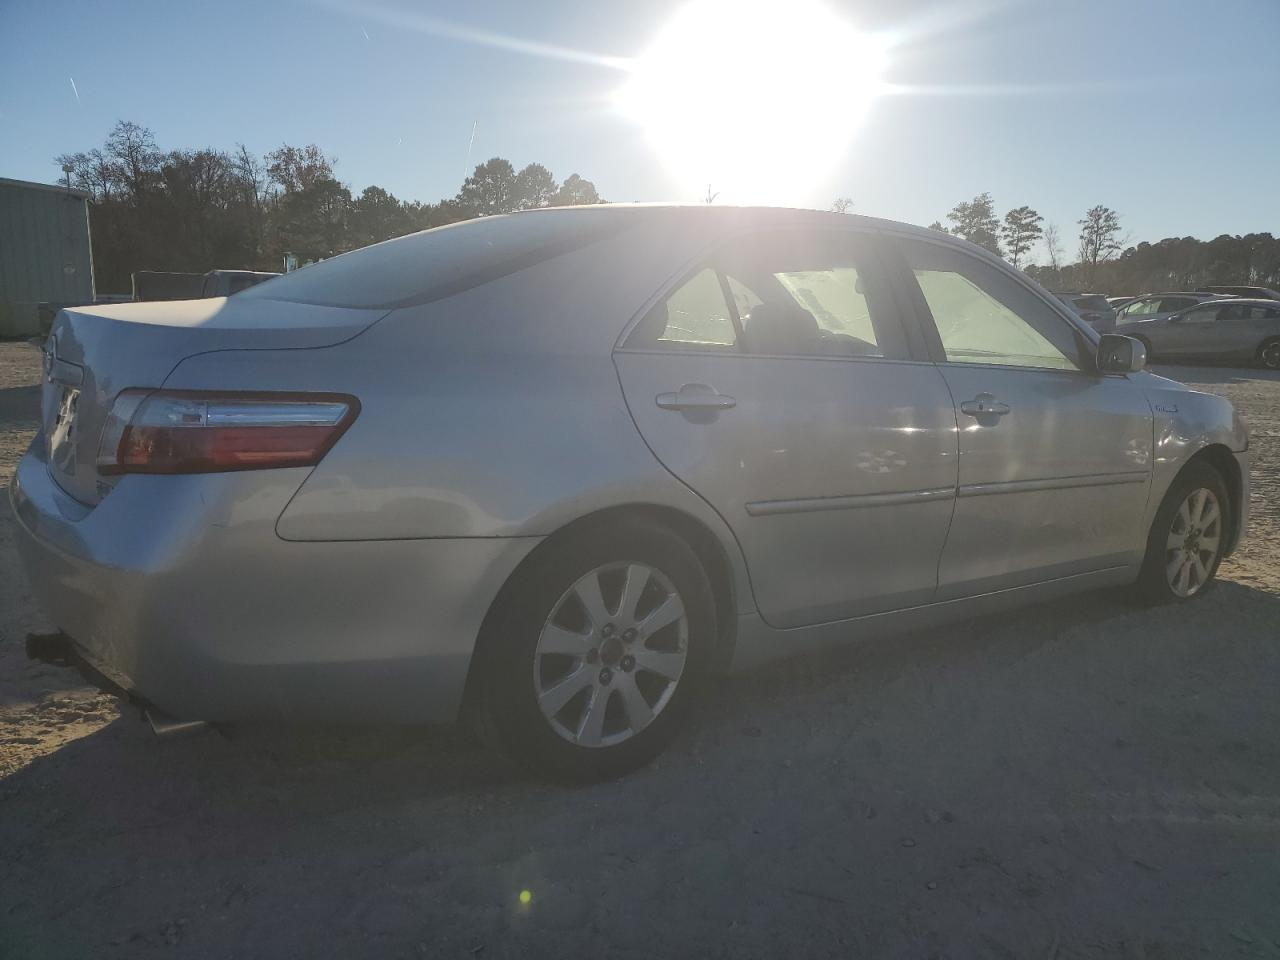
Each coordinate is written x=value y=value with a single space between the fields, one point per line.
x=1055 y=460
x=776 y=381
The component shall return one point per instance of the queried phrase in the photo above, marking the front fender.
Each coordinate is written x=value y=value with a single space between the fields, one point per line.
x=1186 y=422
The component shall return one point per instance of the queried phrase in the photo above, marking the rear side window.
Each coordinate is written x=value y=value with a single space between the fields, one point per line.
x=441 y=262
x=781 y=294
x=1171 y=304
x=983 y=316
x=696 y=314
x=1249 y=312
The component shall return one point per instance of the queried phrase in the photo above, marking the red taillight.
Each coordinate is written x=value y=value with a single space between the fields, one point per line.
x=171 y=431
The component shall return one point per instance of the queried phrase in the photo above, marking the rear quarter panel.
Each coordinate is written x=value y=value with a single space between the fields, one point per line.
x=492 y=413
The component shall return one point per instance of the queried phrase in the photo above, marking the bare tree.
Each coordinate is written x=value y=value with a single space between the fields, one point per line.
x=1053 y=247
x=131 y=149
x=841 y=205
x=251 y=174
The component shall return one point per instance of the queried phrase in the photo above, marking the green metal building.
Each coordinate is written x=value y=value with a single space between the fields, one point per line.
x=44 y=252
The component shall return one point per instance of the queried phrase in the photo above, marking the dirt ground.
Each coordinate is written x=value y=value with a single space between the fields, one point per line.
x=1084 y=779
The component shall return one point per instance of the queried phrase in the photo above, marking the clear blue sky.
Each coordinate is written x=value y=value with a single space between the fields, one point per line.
x=1167 y=111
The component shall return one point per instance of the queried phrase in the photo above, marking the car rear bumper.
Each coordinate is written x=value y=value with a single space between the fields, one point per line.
x=179 y=589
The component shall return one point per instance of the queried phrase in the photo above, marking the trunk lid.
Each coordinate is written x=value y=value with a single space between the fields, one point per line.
x=94 y=352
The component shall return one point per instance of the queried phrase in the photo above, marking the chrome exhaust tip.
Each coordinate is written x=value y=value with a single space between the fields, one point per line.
x=163 y=725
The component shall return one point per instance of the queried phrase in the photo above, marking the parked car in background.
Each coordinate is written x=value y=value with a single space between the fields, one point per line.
x=166 y=285
x=1265 y=293
x=171 y=285
x=223 y=283
x=1093 y=308
x=1154 y=306
x=1242 y=330
x=553 y=470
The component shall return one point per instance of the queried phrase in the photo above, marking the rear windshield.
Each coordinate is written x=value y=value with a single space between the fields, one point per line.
x=1093 y=303
x=440 y=262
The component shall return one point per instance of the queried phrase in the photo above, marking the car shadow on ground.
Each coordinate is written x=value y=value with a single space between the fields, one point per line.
x=328 y=769
x=1068 y=767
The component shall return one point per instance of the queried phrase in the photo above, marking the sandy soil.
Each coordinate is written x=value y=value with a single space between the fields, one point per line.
x=1084 y=779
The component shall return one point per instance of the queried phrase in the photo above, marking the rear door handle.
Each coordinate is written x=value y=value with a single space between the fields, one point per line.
x=695 y=396
x=984 y=405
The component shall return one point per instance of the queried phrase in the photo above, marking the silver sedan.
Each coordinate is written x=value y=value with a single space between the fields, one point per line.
x=1239 y=330
x=553 y=471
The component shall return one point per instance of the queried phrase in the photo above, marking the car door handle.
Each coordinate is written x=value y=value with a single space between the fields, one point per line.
x=984 y=405
x=695 y=396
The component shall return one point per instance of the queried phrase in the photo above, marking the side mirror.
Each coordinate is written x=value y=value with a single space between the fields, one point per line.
x=1120 y=354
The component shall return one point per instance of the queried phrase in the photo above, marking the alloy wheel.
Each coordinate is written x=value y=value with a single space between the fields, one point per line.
x=611 y=654
x=1195 y=538
x=1271 y=355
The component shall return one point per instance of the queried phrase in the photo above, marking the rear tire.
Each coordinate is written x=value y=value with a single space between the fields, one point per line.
x=597 y=655
x=1187 y=537
x=1269 y=354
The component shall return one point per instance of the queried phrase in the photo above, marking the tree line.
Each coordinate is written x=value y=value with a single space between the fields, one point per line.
x=1104 y=261
x=201 y=209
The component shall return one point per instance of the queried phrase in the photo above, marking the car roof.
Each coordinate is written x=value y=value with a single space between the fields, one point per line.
x=742 y=214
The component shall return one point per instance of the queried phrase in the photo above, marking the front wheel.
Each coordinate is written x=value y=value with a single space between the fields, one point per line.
x=596 y=657
x=1187 y=537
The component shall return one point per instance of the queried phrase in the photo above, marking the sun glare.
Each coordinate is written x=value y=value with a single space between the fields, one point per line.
x=757 y=98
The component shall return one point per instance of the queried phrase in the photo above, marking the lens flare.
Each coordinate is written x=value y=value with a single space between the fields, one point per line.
x=757 y=98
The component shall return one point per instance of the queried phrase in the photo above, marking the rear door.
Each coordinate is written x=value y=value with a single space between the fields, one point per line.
x=1055 y=460
x=776 y=379
x=1242 y=328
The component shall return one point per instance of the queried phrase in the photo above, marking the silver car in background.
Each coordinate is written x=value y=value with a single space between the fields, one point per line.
x=1157 y=306
x=1239 y=330
x=551 y=471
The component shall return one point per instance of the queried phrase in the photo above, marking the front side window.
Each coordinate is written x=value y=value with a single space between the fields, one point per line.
x=1173 y=304
x=983 y=316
